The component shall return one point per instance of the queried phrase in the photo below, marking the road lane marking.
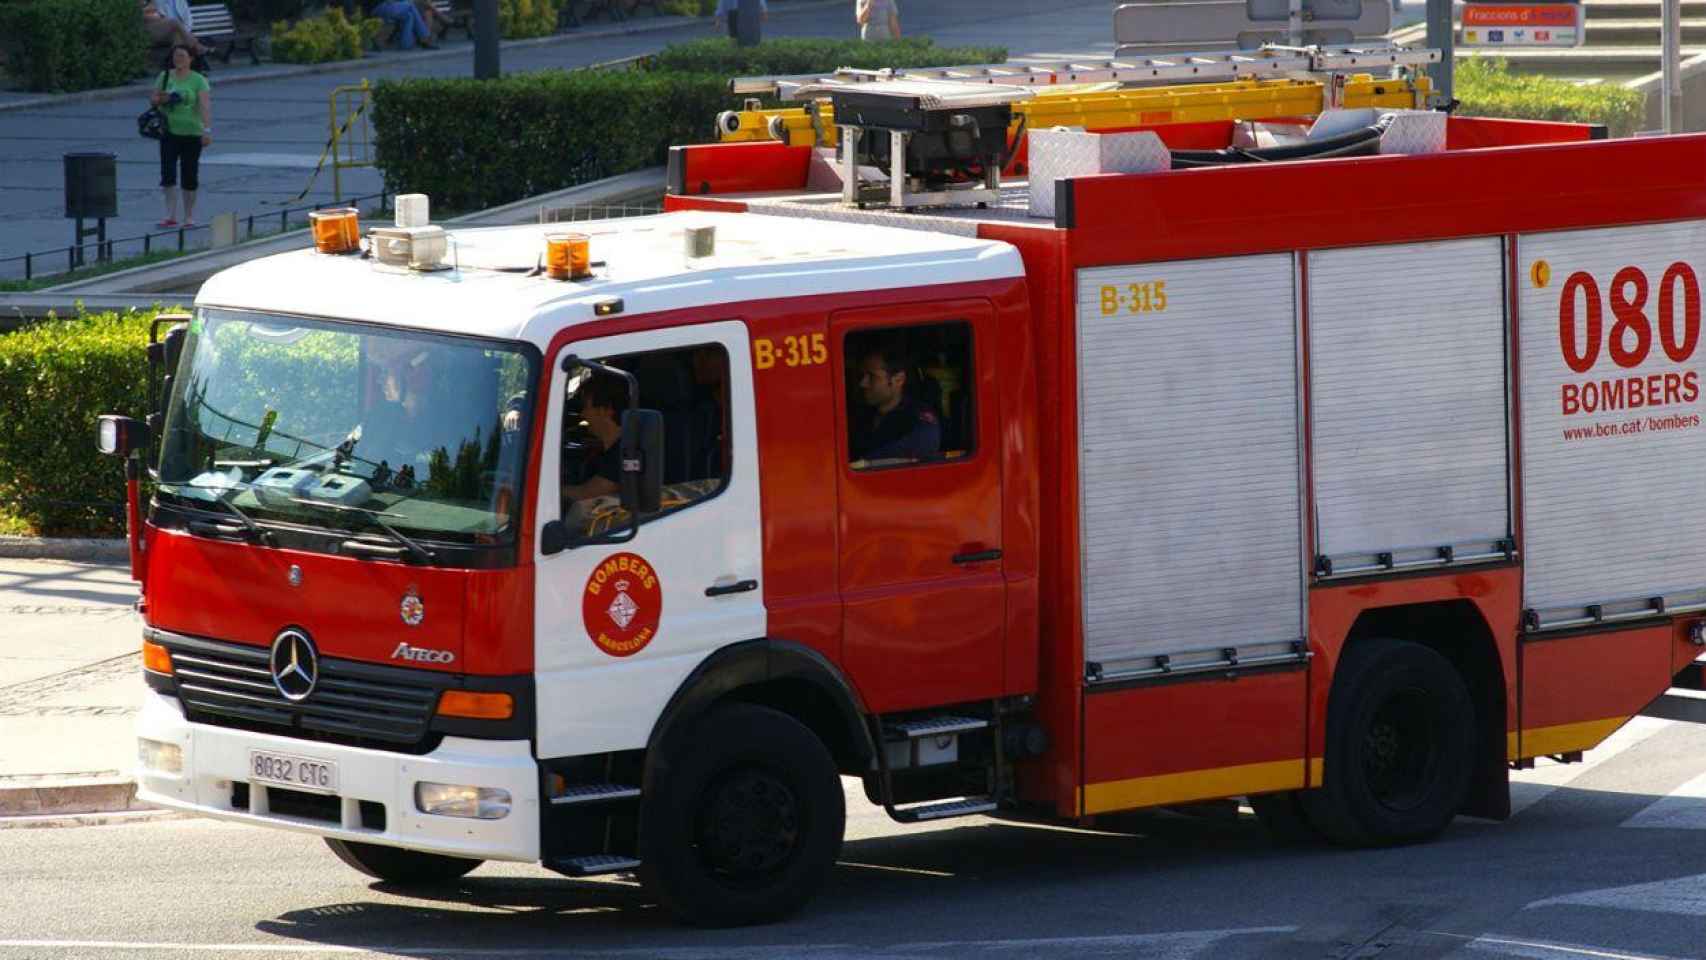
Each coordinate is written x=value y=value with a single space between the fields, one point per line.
x=1682 y=896
x=1180 y=945
x=1682 y=809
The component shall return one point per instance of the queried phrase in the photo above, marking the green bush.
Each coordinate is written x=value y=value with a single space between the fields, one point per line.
x=688 y=8
x=519 y=19
x=720 y=55
x=57 y=377
x=59 y=45
x=1485 y=87
x=330 y=36
x=472 y=144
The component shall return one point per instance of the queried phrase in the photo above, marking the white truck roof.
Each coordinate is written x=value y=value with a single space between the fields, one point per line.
x=489 y=294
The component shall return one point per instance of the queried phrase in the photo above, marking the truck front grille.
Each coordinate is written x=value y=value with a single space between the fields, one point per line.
x=229 y=684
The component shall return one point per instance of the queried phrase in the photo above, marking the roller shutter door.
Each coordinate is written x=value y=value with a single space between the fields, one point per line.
x=1407 y=389
x=1613 y=447
x=1189 y=456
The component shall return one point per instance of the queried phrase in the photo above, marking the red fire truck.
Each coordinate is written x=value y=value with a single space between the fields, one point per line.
x=1343 y=483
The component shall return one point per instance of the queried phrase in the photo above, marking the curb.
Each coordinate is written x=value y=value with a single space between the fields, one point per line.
x=654 y=25
x=88 y=819
x=57 y=797
x=77 y=549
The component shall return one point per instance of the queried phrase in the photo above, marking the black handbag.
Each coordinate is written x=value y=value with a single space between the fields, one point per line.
x=152 y=122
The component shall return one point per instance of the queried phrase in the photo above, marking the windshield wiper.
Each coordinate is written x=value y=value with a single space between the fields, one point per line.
x=249 y=529
x=413 y=547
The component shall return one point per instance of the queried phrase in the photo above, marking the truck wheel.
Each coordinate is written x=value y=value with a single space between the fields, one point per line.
x=743 y=820
x=1400 y=747
x=408 y=868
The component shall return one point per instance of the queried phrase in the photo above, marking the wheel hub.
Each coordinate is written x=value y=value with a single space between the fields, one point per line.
x=1401 y=749
x=749 y=824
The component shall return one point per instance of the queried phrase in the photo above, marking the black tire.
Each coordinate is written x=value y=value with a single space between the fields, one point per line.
x=743 y=821
x=1282 y=815
x=405 y=868
x=1400 y=747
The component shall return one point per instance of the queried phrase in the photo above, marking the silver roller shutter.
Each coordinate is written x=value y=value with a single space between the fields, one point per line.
x=1407 y=391
x=1189 y=471
x=1611 y=495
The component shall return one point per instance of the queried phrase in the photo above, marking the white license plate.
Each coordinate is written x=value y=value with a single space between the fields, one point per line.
x=297 y=773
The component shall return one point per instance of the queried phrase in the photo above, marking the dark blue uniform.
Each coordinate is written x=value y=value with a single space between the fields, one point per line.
x=908 y=432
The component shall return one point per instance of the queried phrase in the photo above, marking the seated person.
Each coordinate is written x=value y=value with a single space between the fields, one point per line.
x=602 y=401
x=167 y=23
x=892 y=426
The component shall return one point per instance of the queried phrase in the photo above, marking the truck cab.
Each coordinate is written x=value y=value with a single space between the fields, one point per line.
x=462 y=559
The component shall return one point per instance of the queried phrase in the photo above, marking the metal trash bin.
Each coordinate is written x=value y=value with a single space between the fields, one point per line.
x=91 y=185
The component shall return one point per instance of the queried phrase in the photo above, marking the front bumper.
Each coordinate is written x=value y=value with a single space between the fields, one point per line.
x=216 y=760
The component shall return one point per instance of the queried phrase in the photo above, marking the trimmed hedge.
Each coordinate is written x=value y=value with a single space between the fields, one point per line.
x=330 y=36
x=57 y=377
x=472 y=144
x=519 y=19
x=63 y=45
x=720 y=55
x=1485 y=87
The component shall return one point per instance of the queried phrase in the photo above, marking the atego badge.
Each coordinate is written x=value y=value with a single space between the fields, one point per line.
x=622 y=605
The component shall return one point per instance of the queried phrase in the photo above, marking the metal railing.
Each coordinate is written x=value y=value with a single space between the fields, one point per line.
x=179 y=237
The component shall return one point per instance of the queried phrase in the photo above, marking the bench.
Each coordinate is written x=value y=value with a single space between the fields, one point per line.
x=212 y=24
x=454 y=19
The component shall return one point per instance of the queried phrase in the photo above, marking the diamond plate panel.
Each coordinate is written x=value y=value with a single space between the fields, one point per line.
x=1059 y=153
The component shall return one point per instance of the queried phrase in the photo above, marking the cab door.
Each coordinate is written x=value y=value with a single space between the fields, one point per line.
x=921 y=574
x=619 y=626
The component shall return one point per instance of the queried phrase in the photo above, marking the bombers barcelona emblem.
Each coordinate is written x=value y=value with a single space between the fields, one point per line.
x=622 y=604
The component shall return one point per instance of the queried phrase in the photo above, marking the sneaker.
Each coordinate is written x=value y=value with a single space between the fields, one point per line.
x=189 y=223
x=168 y=222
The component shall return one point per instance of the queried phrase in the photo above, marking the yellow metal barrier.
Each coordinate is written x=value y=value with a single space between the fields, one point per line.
x=1104 y=107
x=351 y=143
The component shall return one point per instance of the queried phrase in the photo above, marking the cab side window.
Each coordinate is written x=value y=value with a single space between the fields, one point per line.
x=690 y=387
x=909 y=395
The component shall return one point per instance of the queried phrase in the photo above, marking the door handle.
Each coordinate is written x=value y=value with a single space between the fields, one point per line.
x=723 y=590
x=978 y=557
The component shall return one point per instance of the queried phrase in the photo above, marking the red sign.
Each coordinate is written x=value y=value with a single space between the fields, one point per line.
x=622 y=604
x=1520 y=14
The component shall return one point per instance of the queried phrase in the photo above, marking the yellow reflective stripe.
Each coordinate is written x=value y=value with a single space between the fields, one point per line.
x=1563 y=738
x=1192 y=785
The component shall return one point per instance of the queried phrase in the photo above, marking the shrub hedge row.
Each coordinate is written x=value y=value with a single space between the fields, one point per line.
x=1485 y=87
x=57 y=377
x=472 y=144
x=330 y=36
x=63 y=45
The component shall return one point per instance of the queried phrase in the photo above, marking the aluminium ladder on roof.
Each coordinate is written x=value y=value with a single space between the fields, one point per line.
x=1269 y=61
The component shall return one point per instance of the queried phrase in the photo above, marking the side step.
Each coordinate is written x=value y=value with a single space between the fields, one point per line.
x=594 y=793
x=592 y=865
x=934 y=726
x=942 y=811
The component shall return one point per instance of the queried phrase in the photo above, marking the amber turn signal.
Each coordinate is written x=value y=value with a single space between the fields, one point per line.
x=476 y=706
x=155 y=658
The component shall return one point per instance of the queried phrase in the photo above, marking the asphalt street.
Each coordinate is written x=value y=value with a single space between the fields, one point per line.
x=270 y=134
x=1605 y=859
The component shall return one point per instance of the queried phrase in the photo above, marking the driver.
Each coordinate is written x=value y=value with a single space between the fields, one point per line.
x=602 y=401
x=399 y=428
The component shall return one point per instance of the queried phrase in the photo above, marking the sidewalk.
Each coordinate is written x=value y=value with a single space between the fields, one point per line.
x=70 y=686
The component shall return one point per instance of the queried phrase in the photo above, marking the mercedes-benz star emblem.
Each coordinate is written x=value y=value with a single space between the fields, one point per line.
x=294 y=575
x=295 y=665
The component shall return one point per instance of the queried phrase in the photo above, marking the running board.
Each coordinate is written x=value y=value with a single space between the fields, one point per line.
x=935 y=727
x=594 y=793
x=592 y=865
x=942 y=811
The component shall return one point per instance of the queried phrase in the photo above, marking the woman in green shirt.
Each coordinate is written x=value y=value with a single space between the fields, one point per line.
x=182 y=94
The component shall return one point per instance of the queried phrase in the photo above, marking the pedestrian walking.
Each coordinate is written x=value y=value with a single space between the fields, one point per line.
x=728 y=11
x=877 y=19
x=183 y=96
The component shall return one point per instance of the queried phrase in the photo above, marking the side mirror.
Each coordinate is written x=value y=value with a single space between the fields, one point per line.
x=642 y=462
x=175 y=346
x=554 y=538
x=118 y=436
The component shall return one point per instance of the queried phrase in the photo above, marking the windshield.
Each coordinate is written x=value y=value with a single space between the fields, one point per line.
x=348 y=428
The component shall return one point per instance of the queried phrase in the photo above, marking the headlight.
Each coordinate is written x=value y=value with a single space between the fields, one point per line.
x=160 y=757
x=462 y=800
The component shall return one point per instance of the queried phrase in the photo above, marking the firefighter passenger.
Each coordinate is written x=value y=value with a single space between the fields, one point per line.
x=893 y=425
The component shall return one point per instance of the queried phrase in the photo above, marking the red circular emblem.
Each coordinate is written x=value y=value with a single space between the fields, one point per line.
x=622 y=604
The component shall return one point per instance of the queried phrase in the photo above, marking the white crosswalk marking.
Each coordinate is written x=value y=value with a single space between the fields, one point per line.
x=1681 y=896
x=1683 y=809
x=1529 y=787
